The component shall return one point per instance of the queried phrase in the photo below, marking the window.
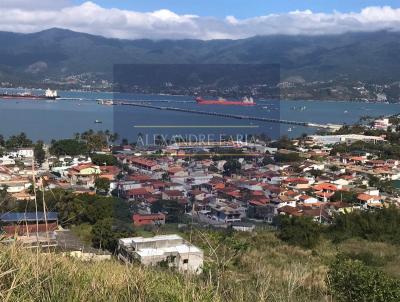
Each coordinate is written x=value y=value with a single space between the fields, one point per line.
x=185 y=261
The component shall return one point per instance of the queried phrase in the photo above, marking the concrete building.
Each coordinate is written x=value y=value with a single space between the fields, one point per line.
x=345 y=138
x=382 y=124
x=172 y=250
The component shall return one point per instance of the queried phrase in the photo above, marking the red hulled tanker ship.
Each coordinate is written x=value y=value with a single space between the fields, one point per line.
x=244 y=102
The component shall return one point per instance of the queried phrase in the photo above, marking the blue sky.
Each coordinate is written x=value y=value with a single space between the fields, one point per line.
x=243 y=8
x=200 y=19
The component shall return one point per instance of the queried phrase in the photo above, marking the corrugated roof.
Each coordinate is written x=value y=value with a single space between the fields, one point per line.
x=30 y=216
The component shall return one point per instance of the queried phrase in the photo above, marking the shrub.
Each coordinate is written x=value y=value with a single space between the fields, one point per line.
x=351 y=280
x=299 y=231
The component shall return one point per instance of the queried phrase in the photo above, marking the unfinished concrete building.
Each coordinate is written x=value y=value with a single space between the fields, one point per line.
x=169 y=250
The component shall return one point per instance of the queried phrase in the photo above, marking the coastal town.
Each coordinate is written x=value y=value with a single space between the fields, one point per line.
x=225 y=151
x=227 y=184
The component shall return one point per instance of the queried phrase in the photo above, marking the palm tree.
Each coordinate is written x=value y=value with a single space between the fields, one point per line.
x=114 y=137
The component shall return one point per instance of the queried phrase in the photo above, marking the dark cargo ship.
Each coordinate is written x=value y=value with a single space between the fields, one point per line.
x=48 y=95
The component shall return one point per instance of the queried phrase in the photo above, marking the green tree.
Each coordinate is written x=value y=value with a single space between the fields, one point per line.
x=232 y=166
x=172 y=208
x=351 y=280
x=102 y=184
x=104 y=159
x=299 y=231
x=7 y=202
x=378 y=225
x=345 y=196
x=18 y=141
x=103 y=235
x=69 y=147
x=39 y=153
x=2 y=141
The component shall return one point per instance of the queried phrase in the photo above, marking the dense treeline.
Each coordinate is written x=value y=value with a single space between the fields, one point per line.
x=15 y=141
x=379 y=225
x=384 y=150
x=71 y=147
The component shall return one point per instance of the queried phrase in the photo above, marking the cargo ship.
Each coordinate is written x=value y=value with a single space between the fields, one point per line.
x=48 y=95
x=244 y=102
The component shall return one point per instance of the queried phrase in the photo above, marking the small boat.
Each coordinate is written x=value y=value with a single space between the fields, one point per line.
x=98 y=122
x=289 y=129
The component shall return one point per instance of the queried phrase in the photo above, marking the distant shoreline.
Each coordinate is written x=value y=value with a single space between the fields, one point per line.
x=180 y=95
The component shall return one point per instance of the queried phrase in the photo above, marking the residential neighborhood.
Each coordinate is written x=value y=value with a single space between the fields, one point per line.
x=188 y=206
x=316 y=184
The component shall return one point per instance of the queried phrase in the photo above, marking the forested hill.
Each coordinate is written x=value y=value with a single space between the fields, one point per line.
x=57 y=53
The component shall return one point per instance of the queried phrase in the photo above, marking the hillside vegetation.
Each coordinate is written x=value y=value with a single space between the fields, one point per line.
x=57 y=52
x=238 y=267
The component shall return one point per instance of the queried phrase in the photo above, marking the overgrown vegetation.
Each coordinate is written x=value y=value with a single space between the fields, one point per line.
x=381 y=225
x=299 y=231
x=352 y=280
x=238 y=267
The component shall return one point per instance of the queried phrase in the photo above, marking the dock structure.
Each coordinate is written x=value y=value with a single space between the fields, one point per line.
x=331 y=127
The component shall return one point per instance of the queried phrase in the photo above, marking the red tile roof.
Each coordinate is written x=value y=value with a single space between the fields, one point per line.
x=325 y=186
x=366 y=197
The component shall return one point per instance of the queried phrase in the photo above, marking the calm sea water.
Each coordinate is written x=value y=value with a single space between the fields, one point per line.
x=78 y=111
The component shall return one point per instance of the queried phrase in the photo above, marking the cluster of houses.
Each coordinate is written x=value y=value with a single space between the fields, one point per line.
x=317 y=186
x=258 y=192
x=16 y=173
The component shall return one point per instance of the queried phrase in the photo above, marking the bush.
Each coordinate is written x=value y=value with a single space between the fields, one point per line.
x=380 y=225
x=299 y=231
x=351 y=280
x=102 y=184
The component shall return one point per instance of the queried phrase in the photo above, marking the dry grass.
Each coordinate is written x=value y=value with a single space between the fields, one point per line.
x=267 y=271
x=379 y=254
x=26 y=276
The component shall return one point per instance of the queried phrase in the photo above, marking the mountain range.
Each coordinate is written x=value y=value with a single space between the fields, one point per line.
x=372 y=56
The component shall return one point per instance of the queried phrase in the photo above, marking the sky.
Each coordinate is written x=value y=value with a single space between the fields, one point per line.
x=200 y=19
x=243 y=8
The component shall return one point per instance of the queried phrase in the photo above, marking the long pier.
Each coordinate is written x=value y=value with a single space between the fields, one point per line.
x=234 y=116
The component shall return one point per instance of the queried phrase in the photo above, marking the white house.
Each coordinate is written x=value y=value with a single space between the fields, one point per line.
x=170 y=249
x=25 y=152
x=7 y=161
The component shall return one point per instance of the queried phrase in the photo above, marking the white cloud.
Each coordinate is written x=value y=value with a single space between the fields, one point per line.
x=21 y=16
